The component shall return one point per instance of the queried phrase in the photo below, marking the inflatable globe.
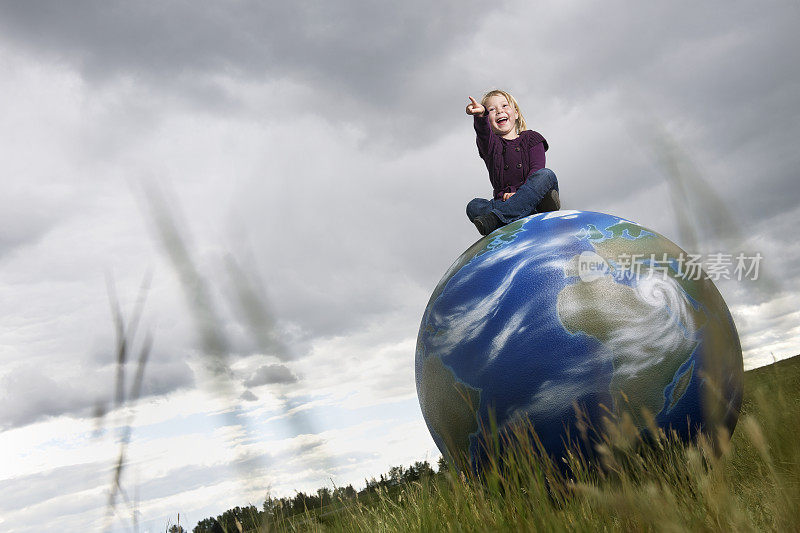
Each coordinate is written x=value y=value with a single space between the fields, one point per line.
x=568 y=309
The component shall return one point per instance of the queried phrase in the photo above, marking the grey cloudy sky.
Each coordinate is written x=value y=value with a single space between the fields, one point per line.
x=323 y=148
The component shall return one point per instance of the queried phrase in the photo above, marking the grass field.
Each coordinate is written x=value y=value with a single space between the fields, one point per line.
x=752 y=484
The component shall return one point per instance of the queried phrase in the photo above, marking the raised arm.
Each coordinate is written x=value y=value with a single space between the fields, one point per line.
x=483 y=131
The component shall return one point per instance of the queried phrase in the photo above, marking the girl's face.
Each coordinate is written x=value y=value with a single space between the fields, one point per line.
x=502 y=116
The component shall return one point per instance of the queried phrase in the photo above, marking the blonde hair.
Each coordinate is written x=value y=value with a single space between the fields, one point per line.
x=520 y=123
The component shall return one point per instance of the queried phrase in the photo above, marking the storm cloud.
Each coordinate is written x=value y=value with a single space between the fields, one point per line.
x=359 y=61
x=271 y=374
x=29 y=394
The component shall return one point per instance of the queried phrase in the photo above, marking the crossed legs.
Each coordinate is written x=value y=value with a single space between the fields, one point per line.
x=538 y=194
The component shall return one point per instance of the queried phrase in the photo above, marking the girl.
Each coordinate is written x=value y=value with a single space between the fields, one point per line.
x=515 y=159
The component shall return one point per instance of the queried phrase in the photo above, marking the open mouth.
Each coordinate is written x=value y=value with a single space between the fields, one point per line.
x=502 y=120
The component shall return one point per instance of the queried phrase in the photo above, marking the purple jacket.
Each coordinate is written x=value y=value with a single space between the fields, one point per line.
x=509 y=162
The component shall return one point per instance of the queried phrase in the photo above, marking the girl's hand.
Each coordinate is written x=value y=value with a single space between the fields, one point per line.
x=474 y=108
x=507 y=195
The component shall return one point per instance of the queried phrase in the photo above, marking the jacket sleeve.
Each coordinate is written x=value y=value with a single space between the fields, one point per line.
x=483 y=133
x=536 y=153
x=537 y=157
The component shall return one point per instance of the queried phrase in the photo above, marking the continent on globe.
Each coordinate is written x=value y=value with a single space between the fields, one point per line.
x=638 y=331
x=454 y=419
x=574 y=308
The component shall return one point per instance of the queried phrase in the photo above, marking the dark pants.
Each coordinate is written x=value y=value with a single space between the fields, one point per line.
x=522 y=204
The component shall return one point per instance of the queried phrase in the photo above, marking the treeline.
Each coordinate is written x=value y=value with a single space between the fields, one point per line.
x=274 y=510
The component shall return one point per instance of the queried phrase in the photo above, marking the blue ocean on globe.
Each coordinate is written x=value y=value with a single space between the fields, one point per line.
x=568 y=309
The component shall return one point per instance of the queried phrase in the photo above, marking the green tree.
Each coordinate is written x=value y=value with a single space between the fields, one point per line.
x=324 y=494
x=395 y=474
x=208 y=525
